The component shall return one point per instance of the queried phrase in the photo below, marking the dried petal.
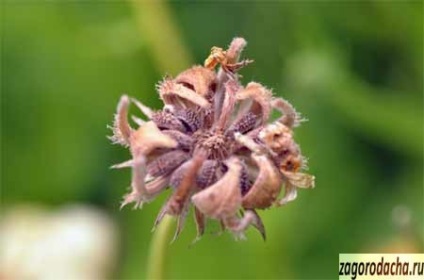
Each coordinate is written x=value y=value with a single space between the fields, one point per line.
x=258 y=224
x=233 y=53
x=277 y=137
x=222 y=199
x=200 y=220
x=143 y=108
x=155 y=186
x=231 y=88
x=300 y=180
x=180 y=95
x=290 y=194
x=181 y=194
x=261 y=97
x=128 y=163
x=198 y=78
x=181 y=221
x=121 y=128
x=238 y=226
x=138 y=120
x=234 y=50
x=290 y=117
x=147 y=138
x=267 y=186
x=295 y=180
x=138 y=193
x=142 y=141
x=249 y=143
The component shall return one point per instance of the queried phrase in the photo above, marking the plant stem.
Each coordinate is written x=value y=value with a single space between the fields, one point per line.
x=162 y=35
x=158 y=250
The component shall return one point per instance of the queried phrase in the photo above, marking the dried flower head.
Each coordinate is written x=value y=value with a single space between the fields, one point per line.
x=213 y=147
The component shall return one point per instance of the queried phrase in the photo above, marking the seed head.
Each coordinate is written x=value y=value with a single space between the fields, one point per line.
x=213 y=146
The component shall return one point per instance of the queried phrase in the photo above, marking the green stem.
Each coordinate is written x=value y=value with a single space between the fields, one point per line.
x=158 y=250
x=161 y=34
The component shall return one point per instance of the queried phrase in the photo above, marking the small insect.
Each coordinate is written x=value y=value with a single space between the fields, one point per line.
x=219 y=56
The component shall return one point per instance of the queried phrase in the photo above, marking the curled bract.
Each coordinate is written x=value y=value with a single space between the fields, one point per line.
x=190 y=89
x=267 y=186
x=222 y=199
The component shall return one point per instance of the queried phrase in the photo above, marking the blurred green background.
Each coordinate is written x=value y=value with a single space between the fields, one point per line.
x=353 y=68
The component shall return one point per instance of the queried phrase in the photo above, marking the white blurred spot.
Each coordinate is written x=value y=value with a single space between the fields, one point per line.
x=401 y=216
x=76 y=242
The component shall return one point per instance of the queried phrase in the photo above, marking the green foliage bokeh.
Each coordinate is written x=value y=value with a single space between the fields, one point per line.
x=354 y=69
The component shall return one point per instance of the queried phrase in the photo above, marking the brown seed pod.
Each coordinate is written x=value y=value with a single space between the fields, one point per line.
x=212 y=144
